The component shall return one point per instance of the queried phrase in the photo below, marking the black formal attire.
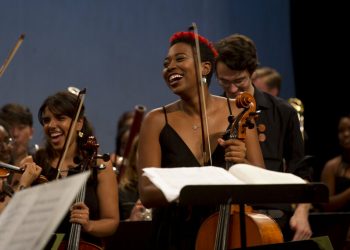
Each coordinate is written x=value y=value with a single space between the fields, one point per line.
x=176 y=226
x=283 y=149
x=128 y=197
x=91 y=197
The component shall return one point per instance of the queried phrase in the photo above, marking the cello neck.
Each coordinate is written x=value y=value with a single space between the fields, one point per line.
x=74 y=236
x=222 y=230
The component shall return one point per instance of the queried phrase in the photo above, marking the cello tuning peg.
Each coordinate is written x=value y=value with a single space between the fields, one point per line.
x=249 y=124
x=230 y=119
x=255 y=114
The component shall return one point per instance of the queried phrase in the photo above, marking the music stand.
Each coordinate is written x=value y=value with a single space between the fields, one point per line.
x=254 y=194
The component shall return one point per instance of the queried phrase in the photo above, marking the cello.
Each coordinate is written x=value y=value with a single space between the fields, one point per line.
x=222 y=230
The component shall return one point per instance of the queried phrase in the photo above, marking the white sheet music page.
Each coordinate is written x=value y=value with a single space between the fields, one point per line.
x=171 y=180
x=33 y=214
x=255 y=175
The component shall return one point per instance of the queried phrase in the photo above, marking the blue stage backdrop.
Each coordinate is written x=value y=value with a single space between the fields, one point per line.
x=115 y=49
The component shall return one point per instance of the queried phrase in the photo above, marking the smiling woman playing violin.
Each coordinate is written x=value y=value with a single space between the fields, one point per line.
x=98 y=215
x=171 y=136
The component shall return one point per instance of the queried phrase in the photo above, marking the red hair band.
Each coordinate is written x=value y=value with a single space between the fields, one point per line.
x=191 y=35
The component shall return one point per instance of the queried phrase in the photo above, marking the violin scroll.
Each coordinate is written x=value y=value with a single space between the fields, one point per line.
x=89 y=153
x=90 y=147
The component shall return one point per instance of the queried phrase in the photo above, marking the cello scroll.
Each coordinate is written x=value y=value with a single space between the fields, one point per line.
x=245 y=118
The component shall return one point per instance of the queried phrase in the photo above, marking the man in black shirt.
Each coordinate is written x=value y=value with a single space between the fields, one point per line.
x=278 y=125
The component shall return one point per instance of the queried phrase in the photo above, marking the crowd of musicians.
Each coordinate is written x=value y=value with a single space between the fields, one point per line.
x=199 y=129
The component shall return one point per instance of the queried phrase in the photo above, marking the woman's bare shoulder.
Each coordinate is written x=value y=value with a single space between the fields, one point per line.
x=332 y=164
x=156 y=117
x=222 y=103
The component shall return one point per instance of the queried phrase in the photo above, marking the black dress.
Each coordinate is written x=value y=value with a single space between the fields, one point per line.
x=91 y=200
x=128 y=197
x=342 y=182
x=176 y=226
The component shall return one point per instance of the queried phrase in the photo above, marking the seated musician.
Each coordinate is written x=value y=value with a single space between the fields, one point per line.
x=98 y=214
x=31 y=173
x=336 y=175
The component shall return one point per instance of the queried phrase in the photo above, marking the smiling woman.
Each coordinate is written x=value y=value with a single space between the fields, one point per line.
x=170 y=138
x=98 y=215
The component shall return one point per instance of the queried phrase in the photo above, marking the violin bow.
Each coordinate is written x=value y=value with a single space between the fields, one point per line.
x=12 y=54
x=80 y=101
x=201 y=96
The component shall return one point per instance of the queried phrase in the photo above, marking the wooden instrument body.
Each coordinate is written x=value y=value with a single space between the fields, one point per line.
x=83 y=245
x=260 y=230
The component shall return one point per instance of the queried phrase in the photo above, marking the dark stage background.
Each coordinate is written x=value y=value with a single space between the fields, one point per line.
x=320 y=48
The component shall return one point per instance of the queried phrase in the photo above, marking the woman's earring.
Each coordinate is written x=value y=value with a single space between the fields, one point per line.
x=204 y=80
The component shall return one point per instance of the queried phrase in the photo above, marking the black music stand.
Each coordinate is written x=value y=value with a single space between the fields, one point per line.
x=253 y=194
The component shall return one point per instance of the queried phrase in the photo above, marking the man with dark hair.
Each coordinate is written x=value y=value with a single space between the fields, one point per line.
x=278 y=126
x=20 y=120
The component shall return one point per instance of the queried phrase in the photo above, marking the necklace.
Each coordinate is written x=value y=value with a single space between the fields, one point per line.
x=195 y=127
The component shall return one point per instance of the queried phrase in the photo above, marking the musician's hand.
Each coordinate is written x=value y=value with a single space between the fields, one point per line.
x=300 y=224
x=137 y=212
x=31 y=173
x=80 y=214
x=235 y=150
x=25 y=160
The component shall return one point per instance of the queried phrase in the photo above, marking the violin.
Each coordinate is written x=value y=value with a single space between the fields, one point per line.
x=6 y=169
x=222 y=230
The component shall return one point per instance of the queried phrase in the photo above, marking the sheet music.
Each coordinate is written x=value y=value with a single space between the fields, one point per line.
x=171 y=180
x=33 y=214
x=253 y=175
